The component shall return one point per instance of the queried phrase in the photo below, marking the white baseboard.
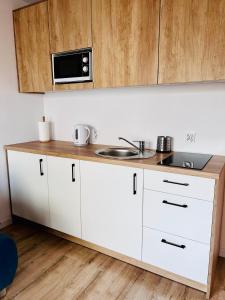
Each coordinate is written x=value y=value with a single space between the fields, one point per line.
x=5 y=222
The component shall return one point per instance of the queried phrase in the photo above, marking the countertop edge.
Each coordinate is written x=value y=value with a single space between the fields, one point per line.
x=129 y=163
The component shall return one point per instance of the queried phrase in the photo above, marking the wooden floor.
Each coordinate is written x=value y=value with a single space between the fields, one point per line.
x=52 y=268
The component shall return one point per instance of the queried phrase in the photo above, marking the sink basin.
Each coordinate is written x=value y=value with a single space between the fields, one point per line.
x=124 y=153
x=117 y=152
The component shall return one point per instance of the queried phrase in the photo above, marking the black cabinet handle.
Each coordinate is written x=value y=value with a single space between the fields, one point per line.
x=73 y=172
x=174 y=182
x=41 y=169
x=135 y=184
x=173 y=244
x=175 y=204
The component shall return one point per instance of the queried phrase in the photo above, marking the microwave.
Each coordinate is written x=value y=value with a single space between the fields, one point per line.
x=73 y=66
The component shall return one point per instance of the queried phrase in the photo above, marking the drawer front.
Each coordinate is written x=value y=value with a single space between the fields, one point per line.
x=188 y=259
x=187 y=217
x=189 y=186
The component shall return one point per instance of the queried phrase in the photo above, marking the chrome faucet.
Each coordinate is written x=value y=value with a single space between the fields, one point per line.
x=141 y=147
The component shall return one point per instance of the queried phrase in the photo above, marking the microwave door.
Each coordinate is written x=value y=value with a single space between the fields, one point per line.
x=68 y=68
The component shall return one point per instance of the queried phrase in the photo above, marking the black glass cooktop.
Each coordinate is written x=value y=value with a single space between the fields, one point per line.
x=195 y=161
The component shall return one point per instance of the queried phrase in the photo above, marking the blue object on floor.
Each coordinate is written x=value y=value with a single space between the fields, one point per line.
x=8 y=260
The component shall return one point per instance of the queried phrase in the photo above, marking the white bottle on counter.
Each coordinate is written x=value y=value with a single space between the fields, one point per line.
x=44 y=130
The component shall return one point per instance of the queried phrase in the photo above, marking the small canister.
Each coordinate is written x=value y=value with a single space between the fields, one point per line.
x=164 y=144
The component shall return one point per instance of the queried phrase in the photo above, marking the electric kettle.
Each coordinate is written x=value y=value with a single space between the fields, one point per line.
x=81 y=135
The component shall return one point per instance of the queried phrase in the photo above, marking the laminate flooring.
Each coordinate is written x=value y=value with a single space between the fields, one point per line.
x=51 y=268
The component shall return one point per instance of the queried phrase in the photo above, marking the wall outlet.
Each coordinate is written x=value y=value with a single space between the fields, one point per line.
x=190 y=137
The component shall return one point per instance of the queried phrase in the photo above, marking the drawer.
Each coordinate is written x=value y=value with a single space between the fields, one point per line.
x=189 y=186
x=188 y=259
x=187 y=217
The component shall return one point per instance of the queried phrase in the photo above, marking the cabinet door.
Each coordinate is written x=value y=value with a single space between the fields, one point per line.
x=192 y=43
x=64 y=195
x=70 y=24
x=32 y=48
x=28 y=186
x=125 y=42
x=111 y=207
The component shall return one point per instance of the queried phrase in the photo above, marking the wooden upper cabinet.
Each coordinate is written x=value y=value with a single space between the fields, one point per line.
x=70 y=24
x=32 y=48
x=125 y=42
x=192 y=41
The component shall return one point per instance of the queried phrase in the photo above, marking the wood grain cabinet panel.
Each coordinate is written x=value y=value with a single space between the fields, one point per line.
x=32 y=48
x=125 y=42
x=70 y=24
x=192 y=41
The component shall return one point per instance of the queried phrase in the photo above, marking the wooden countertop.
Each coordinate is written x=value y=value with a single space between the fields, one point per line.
x=68 y=150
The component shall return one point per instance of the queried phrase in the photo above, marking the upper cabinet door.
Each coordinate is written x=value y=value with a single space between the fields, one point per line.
x=125 y=42
x=192 y=43
x=70 y=24
x=32 y=48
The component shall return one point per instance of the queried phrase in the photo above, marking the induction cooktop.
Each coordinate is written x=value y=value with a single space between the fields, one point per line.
x=194 y=161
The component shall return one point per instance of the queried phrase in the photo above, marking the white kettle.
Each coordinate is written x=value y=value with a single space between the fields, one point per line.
x=81 y=135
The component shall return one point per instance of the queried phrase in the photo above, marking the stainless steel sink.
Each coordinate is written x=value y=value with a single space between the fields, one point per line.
x=124 y=153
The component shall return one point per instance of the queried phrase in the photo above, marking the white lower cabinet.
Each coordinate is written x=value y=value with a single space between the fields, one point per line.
x=177 y=223
x=29 y=186
x=175 y=254
x=187 y=217
x=184 y=185
x=64 y=195
x=102 y=204
x=111 y=207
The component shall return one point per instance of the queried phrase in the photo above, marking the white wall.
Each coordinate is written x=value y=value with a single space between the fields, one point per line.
x=145 y=112
x=19 y=113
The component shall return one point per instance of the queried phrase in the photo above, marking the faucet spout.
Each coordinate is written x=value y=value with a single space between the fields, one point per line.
x=141 y=148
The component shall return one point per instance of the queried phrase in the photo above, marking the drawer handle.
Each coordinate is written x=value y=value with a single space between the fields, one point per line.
x=174 y=182
x=173 y=244
x=175 y=204
x=134 y=184
x=41 y=169
x=73 y=173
